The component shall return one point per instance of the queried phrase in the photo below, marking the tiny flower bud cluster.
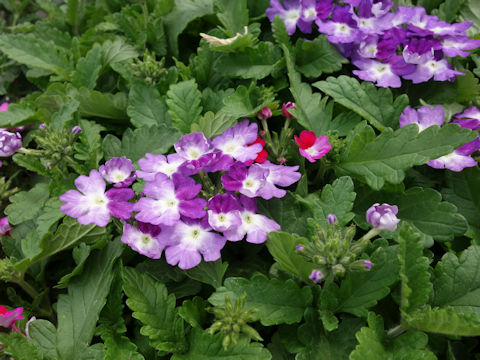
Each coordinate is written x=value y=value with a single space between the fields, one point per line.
x=194 y=200
x=426 y=116
x=385 y=45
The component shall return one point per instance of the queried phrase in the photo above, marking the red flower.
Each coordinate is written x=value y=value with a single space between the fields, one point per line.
x=261 y=155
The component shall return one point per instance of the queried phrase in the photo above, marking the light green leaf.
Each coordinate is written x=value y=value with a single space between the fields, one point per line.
x=17 y=115
x=44 y=336
x=26 y=204
x=96 y=103
x=247 y=102
x=212 y=125
x=471 y=12
x=210 y=272
x=30 y=163
x=155 y=309
x=361 y=290
x=146 y=107
x=449 y=9
x=184 y=104
x=414 y=270
x=204 y=346
x=445 y=321
x=373 y=344
x=18 y=346
x=337 y=199
x=36 y=53
x=135 y=144
x=463 y=192
x=313 y=58
x=88 y=69
x=89 y=149
x=78 y=311
x=233 y=15
x=280 y=33
x=64 y=114
x=254 y=63
x=468 y=88
x=117 y=51
x=374 y=104
x=456 y=281
x=277 y=302
x=375 y=160
x=184 y=12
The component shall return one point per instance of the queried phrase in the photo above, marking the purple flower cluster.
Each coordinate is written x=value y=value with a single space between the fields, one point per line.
x=193 y=201
x=383 y=44
x=425 y=117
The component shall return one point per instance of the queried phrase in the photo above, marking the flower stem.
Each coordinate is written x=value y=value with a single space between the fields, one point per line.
x=30 y=152
x=26 y=287
x=397 y=330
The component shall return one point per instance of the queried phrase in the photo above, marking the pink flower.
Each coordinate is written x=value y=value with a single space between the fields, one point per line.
x=4 y=226
x=311 y=147
x=8 y=318
x=286 y=106
x=4 y=106
x=264 y=113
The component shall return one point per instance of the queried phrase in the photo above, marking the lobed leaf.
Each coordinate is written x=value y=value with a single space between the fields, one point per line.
x=26 y=204
x=184 y=104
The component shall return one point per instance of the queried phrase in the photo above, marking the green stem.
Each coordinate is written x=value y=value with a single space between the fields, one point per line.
x=27 y=287
x=31 y=152
x=397 y=330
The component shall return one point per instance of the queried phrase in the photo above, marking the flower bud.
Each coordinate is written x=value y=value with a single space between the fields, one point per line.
x=42 y=126
x=286 y=106
x=264 y=113
x=316 y=276
x=383 y=217
x=300 y=248
x=4 y=226
x=9 y=143
x=331 y=219
x=368 y=264
x=76 y=130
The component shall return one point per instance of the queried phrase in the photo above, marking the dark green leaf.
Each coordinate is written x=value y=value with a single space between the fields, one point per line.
x=95 y=103
x=118 y=347
x=18 y=346
x=247 y=102
x=26 y=204
x=44 y=335
x=184 y=104
x=193 y=312
x=16 y=115
x=146 y=107
x=233 y=14
x=88 y=69
x=210 y=273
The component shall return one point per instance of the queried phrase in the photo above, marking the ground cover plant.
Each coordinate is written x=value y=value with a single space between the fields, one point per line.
x=248 y=179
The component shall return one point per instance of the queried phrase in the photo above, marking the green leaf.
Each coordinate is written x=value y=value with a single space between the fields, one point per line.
x=184 y=104
x=30 y=163
x=118 y=347
x=80 y=254
x=414 y=270
x=375 y=160
x=280 y=33
x=26 y=204
x=36 y=53
x=281 y=246
x=117 y=51
x=456 y=281
x=253 y=63
x=374 y=104
x=373 y=344
x=89 y=149
x=184 y=12
x=247 y=102
x=18 y=346
x=136 y=143
x=204 y=346
x=210 y=272
x=445 y=321
x=88 y=69
x=468 y=88
x=449 y=9
x=17 y=115
x=335 y=345
x=463 y=192
x=112 y=313
x=471 y=12
x=337 y=199
x=212 y=125
x=232 y=14
x=290 y=212
x=151 y=304
x=50 y=215
x=313 y=58
x=78 y=311
x=361 y=290
x=64 y=114
x=44 y=336
x=277 y=302
x=98 y=104
x=193 y=312
x=146 y=107
x=74 y=14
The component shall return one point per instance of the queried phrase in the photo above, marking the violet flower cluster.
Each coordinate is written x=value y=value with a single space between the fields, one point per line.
x=385 y=45
x=193 y=201
x=426 y=116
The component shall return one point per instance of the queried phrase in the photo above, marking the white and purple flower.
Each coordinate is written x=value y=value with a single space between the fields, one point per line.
x=224 y=212
x=9 y=143
x=144 y=239
x=247 y=181
x=118 y=171
x=383 y=217
x=152 y=164
x=424 y=117
x=459 y=159
x=280 y=175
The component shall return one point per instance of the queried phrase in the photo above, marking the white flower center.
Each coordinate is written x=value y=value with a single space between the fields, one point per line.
x=193 y=153
x=247 y=218
x=311 y=150
x=145 y=239
x=170 y=203
x=343 y=28
x=292 y=15
x=230 y=148
x=118 y=176
x=222 y=217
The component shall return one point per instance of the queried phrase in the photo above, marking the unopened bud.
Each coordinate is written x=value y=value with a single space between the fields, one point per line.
x=331 y=219
x=316 y=276
x=264 y=113
x=76 y=130
x=300 y=248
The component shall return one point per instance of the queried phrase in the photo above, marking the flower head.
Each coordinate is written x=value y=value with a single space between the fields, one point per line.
x=8 y=318
x=311 y=147
x=9 y=143
x=316 y=276
x=248 y=181
x=286 y=106
x=459 y=159
x=331 y=219
x=144 y=239
x=4 y=226
x=469 y=118
x=424 y=117
x=152 y=164
x=224 y=212
x=383 y=217
x=264 y=113
x=118 y=171
x=4 y=106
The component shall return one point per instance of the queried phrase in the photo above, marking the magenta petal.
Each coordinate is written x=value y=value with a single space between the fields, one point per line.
x=193 y=208
x=120 y=209
x=121 y=194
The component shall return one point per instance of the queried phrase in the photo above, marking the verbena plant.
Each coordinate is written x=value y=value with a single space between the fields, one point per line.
x=248 y=179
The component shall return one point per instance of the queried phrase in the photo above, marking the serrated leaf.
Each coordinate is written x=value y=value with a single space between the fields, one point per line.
x=313 y=58
x=232 y=14
x=184 y=104
x=456 y=281
x=30 y=163
x=463 y=192
x=64 y=114
x=193 y=312
x=445 y=321
x=374 y=104
x=118 y=347
x=337 y=199
x=280 y=33
x=78 y=311
x=88 y=69
x=471 y=12
x=44 y=335
x=335 y=345
x=80 y=255
x=373 y=344
x=146 y=107
x=136 y=143
x=204 y=346
x=89 y=149
x=449 y=9
x=468 y=88
x=281 y=246
x=210 y=272
x=155 y=309
x=414 y=270
x=117 y=51
x=375 y=160
x=112 y=313
x=17 y=115
x=361 y=290
x=254 y=63
x=36 y=53
x=50 y=215
x=26 y=204
x=277 y=302
x=212 y=125
x=247 y=102
x=18 y=346
x=96 y=103
x=184 y=12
